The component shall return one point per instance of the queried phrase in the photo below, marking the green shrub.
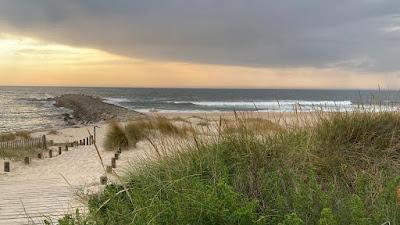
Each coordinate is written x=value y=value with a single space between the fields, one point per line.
x=292 y=219
x=327 y=217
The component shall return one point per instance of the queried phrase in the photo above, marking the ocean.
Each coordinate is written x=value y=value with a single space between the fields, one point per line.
x=28 y=108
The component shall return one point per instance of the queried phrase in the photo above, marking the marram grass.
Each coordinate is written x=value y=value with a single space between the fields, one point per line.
x=340 y=169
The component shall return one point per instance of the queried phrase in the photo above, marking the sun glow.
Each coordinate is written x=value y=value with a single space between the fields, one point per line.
x=29 y=51
x=29 y=61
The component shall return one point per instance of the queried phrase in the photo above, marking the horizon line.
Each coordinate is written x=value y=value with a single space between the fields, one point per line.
x=226 y=88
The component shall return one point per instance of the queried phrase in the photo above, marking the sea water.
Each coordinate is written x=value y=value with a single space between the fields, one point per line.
x=31 y=108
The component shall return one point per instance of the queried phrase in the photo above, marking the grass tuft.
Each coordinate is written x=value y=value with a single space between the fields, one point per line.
x=116 y=137
x=138 y=130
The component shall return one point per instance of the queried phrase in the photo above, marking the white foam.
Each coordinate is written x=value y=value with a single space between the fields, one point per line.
x=116 y=101
x=266 y=104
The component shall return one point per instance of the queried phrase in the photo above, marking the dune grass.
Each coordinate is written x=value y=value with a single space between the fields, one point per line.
x=135 y=131
x=14 y=136
x=341 y=169
x=115 y=137
x=19 y=153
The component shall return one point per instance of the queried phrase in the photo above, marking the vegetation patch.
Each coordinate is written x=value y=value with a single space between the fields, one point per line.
x=14 y=136
x=116 y=137
x=133 y=132
x=341 y=170
x=19 y=153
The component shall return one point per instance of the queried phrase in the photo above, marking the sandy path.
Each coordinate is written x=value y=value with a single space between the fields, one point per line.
x=48 y=187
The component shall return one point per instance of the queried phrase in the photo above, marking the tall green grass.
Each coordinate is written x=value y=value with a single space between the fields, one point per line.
x=340 y=169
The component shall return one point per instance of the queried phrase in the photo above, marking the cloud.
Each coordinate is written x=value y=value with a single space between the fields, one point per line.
x=355 y=34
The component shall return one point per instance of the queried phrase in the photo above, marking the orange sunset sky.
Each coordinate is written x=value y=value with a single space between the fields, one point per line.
x=221 y=44
x=28 y=61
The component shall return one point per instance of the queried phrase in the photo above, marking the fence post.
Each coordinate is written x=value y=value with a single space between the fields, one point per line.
x=27 y=160
x=109 y=169
x=7 y=167
x=39 y=155
x=44 y=142
x=103 y=180
x=113 y=163
x=50 y=153
x=59 y=150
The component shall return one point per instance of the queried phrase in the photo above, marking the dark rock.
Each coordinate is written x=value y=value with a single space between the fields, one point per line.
x=88 y=109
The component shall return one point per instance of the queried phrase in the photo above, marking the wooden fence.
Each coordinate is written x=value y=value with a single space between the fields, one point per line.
x=43 y=143
x=39 y=142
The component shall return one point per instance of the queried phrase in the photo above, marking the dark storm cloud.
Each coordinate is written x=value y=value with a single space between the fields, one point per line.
x=358 y=34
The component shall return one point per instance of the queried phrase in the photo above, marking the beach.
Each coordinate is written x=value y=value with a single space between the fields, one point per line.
x=53 y=186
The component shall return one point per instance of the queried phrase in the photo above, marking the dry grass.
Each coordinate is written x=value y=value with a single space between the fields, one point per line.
x=203 y=123
x=250 y=125
x=138 y=130
x=116 y=137
x=14 y=136
x=19 y=153
x=180 y=119
x=52 y=132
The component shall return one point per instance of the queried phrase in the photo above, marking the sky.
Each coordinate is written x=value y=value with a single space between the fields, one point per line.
x=345 y=44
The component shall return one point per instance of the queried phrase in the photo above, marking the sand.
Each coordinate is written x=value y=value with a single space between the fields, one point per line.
x=51 y=187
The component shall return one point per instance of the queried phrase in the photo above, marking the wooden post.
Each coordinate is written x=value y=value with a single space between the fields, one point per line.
x=113 y=163
x=44 y=144
x=50 y=153
x=27 y=160
x=59 y=150
x=103 y=180
x=87 y=141
x=66 y=147
x=6 y=167
x=39 y=155
x=109 y=169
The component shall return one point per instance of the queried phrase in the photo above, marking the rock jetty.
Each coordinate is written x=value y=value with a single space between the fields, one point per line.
x=89 y=109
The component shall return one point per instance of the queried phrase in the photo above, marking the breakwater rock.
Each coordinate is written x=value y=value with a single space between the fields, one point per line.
x=89 y=109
